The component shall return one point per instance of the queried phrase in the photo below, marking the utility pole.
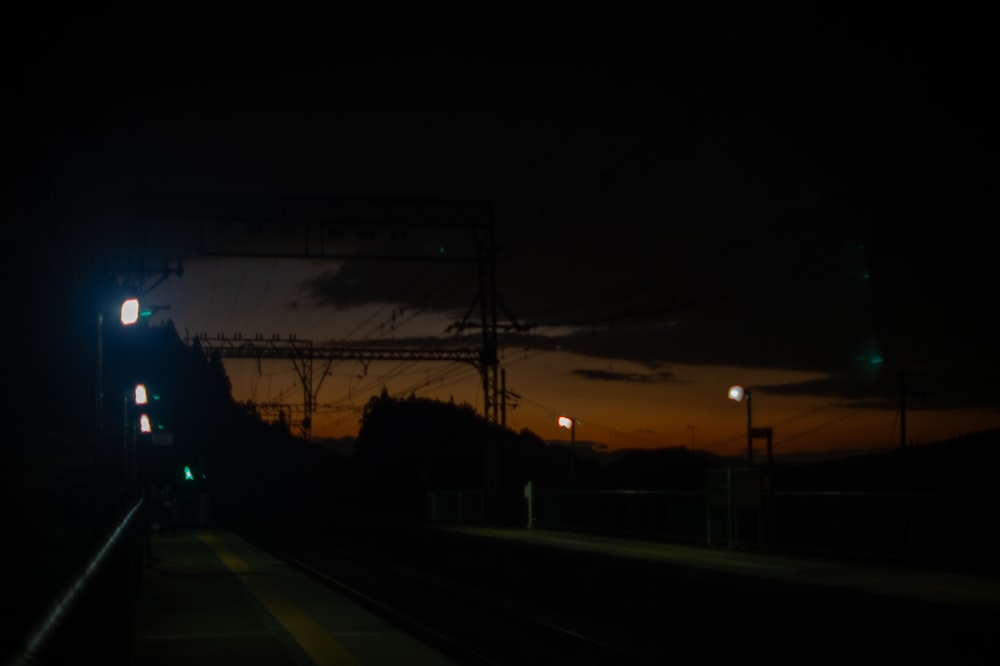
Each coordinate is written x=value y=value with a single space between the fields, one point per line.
x=902 y=409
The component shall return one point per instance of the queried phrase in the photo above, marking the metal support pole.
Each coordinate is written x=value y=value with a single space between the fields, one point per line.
x=572 y=450
x=529 y=494
x=99 y=389
x=125 y=448
x=902 y=409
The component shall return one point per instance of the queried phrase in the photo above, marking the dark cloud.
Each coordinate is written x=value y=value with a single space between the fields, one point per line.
x=611 y=376
x=412 y=286
x=796 y=189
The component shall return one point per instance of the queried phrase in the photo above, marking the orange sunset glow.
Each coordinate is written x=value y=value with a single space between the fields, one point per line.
x=618 y=403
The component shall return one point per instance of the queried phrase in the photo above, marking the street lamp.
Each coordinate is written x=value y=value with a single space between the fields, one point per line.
x=128 y=316
x=141 y=400
x=570 y=424
x=150 y=419
x=738 y=394
x=130 y=311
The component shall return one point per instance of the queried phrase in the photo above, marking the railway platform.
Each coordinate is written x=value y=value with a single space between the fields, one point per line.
x=210 y=597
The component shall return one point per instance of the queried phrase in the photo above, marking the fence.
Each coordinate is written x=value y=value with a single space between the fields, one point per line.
x=947 y=529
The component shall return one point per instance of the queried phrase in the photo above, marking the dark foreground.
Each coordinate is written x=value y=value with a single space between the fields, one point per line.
x=494 y=596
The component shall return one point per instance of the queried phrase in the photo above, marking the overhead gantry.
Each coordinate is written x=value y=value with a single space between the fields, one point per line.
x=344 y=228
x=302 y=353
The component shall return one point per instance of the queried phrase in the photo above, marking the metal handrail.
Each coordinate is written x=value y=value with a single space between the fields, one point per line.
x=40 y=637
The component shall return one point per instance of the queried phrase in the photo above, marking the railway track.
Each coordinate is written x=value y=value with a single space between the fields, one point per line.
x=471 y=611
x=499 y=604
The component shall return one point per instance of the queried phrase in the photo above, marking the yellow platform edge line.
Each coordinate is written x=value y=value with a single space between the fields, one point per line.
x=321 y=647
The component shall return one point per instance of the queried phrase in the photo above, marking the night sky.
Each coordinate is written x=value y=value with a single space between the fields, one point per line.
x=798 y=200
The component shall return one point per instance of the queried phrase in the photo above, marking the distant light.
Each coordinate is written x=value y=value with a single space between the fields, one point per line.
x=130 y=311
x=188 y=476
x=565 y=422
x=144 y=424
x=140 y=394
x=736 y=393
x=874 y=360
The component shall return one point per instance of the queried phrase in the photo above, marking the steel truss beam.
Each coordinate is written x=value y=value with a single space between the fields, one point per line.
x=311 y=227
x=302 y=353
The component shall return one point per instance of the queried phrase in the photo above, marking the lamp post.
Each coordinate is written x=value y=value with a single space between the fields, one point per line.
x=569 y=423
x=128 y=316
x=738 y=394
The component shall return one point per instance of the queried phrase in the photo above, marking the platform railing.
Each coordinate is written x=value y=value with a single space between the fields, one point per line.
x=936 y=529
x=92 y=619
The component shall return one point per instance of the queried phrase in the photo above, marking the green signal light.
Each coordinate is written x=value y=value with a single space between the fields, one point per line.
x=874 y=360
x=188 y=476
